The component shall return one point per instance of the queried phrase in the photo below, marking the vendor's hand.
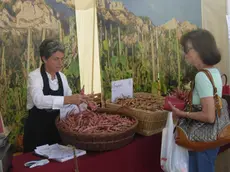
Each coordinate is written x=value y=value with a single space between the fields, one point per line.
x=78 y=99
x=176 y=112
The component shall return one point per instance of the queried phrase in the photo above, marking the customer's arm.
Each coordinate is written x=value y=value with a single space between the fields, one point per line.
x=204 y=89
x=206 y=115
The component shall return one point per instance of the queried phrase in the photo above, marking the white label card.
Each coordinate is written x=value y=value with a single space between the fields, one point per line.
x=122 y=88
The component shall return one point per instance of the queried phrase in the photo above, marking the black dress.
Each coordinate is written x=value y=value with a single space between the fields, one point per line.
x=40 y=126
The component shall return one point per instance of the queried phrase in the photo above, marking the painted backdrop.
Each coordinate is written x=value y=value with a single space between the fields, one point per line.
x=140 y=39
x=23 y=25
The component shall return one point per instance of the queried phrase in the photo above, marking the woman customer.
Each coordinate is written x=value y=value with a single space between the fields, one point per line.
x=201 y=51
x=48 y=92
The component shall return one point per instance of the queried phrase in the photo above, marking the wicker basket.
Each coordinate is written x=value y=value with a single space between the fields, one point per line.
x=149 y=122
x=97 y=141
x=97 y=98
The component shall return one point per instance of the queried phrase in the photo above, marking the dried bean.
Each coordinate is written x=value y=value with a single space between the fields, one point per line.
x=91 y=122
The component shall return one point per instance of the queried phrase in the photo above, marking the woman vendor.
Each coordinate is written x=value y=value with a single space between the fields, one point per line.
x=48 y=92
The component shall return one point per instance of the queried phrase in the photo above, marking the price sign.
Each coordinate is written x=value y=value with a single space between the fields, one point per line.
x=122 y=88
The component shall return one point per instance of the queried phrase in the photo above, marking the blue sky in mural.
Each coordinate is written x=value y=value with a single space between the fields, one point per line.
x=161 y=11
x=60 y=8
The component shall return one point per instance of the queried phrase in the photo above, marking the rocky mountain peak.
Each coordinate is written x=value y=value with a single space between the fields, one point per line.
x=34 y=14
x=22 y=14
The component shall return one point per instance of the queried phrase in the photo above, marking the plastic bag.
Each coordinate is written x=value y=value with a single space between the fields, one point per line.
x=226 y=87
x=173 y=157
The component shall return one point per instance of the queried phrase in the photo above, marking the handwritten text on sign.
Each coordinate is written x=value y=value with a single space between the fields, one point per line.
x=122 y=88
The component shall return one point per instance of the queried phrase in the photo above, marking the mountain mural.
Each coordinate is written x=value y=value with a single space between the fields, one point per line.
x=132 y=46
x=23 y=26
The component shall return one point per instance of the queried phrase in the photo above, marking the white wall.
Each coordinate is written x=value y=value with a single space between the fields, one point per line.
x=86 y=23
x=214 y=19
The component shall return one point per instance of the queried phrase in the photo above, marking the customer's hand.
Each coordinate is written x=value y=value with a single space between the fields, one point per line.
x=177 y=112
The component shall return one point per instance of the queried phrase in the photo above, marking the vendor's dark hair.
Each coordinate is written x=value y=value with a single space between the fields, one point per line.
x=50 y=46
x=204 y=43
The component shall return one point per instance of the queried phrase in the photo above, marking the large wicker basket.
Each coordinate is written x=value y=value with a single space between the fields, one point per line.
x=97 y=141
x=149 y=122
x=97 y=98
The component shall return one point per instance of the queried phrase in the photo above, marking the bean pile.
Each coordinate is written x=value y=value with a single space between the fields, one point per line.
x=144 y=102
x=91 y=122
